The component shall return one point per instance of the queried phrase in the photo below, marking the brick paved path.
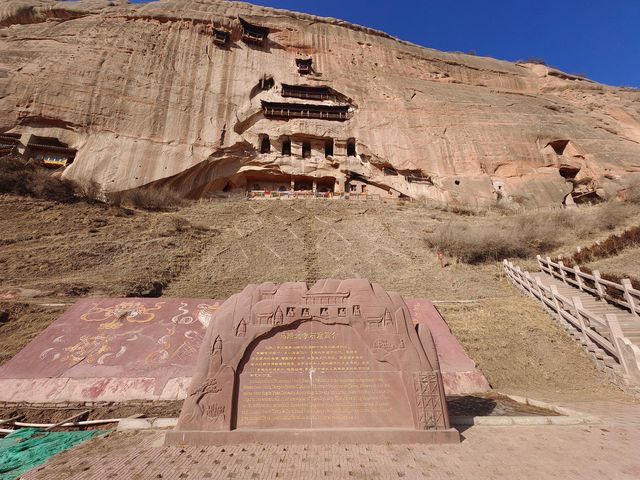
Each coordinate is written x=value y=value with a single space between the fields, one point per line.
x=608 y=451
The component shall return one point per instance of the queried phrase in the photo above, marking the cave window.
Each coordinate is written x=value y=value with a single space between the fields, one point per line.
x=305 y=65
x=306 y=150
x=351 y=147
x=227 y=188
x=220 y=37
x=266 y=83
x=353 y=188
x=328 y=148
x=457 y=182
x=568 y=172
x=286 y=147
x=559 y=146
x=389 y=171
x=265 y=144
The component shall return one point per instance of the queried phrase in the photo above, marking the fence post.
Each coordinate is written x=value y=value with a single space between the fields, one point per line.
x=626 y=283
x=522 y=278
x=562 y=272
x=579 y=278
x=540 y=291
x=539 y=258
x=556 y=303
x=616 y=340
x=531 y=283
x=505 y=265
x=577 y=306
x=549 y=267
x=596 y=279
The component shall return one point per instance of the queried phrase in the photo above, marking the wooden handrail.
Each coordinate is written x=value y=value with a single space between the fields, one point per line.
x=604 y=332
x=631 y=296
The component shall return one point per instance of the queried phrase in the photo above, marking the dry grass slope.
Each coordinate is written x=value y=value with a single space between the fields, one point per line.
x=526 y=234
x=214 y=249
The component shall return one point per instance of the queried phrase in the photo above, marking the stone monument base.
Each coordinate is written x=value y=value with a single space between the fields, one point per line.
x=376 y=436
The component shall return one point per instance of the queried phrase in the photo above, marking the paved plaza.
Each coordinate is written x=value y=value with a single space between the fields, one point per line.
x=607 y=451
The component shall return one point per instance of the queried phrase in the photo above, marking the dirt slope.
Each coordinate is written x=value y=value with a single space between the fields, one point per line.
x=213 y=249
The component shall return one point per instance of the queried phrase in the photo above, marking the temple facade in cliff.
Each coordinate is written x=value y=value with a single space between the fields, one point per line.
x=230 y=97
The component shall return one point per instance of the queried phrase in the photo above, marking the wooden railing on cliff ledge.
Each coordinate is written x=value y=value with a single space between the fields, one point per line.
x=600 y=314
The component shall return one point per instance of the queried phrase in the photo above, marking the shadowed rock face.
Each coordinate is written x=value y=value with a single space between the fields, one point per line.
x=145 y=95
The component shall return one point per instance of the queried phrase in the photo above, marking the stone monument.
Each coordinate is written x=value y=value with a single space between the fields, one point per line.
x=340 y=362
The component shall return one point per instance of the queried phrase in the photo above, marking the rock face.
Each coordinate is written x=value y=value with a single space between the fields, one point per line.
x=210 y=96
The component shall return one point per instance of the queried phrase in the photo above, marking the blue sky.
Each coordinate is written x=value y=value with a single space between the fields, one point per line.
x=599 y=38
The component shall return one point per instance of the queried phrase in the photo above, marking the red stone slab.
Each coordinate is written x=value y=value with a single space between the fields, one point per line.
x=146 y=349
x=115 y=349
x=460 y=374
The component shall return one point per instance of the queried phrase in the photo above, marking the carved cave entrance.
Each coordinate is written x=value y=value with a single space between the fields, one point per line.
x=318 y=376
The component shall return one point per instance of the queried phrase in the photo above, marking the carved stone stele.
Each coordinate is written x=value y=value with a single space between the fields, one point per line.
x=340 y=362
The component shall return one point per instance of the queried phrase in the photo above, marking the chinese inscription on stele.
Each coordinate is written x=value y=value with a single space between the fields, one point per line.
x=340 y=362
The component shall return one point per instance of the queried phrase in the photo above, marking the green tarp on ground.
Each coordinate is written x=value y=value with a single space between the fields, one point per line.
x=29 y=447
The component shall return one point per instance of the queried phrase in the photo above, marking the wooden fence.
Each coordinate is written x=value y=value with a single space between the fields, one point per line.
x=622 y=294
x=602 y=332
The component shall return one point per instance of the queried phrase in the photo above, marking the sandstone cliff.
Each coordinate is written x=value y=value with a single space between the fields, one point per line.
x=177 y=92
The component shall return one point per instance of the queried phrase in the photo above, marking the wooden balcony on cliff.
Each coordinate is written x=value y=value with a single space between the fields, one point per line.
x=417 y=176
x=254 y=34
x=309 y=93
x=8 y=142
x=305 y=65
x=299 y=110
x=221 y=37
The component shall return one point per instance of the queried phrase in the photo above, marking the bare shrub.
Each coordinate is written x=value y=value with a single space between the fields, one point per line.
x=24 y=178
x=483 y=243
x=181 y=225
x=610 y=215
x=612 y=246
x=90 y=191
x=518 y=235
x=151 y=199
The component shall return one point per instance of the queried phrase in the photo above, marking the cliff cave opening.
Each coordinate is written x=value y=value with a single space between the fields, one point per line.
x=306 y=150
x=305 y=65
x=568 y=172
x=266 y=83
x=286 y=147
x=253 y=33
x=328 y=148
x=351 y=147
x=559 y=146
x=265 y=144
x=220 y=37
